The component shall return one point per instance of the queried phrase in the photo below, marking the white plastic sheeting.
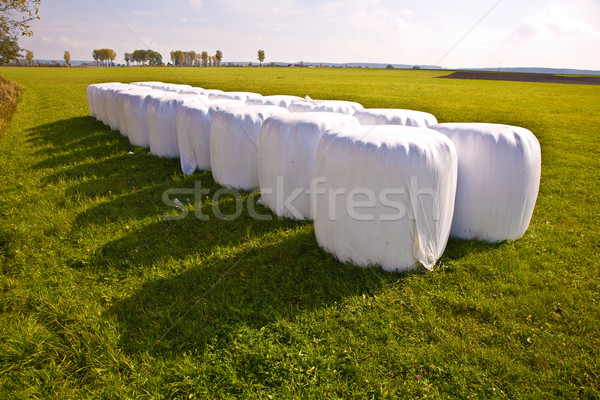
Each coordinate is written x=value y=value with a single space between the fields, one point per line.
x=387 y=195
x=110 y=98
x=242 y=96
x=395 y=116
x=120 y=99
x=336 y=106
x=162 y=123
x=147 y=83
x=193 y=132
x=209 y=92
x=167 y=87
x=93 y=94
x=136 y=106
x=288 y=150
x=234 y=136
x=277 y=100
x=499 y=169
x=99 y=94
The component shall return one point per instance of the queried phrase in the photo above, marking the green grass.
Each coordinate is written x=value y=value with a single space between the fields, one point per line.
x=101 y=298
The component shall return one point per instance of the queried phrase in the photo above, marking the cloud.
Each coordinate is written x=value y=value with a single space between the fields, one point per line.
x=555 y=20
x=72 y=43
x=197 y=4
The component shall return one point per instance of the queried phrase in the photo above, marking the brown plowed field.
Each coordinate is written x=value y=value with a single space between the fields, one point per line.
x=525 y=77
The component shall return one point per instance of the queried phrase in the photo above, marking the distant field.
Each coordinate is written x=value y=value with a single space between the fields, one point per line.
x=101 y=298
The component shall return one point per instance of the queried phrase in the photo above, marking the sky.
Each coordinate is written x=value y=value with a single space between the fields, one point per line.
x=452 y=34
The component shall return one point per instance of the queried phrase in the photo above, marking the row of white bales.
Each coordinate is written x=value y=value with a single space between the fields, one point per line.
x=383 y=186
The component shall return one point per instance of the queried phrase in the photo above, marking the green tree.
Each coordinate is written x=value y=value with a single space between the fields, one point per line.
x=29 y=57
x=9 y=48
x=15 y=19
x=154 y=58
x=190 y=57
x=219 y=57
x=96 y=56
x=261 y=56
x=128 y=58
x=67 y=58
x=140 y=56
x=104 y=55
x=178 y=57
x=16 y=16
x=204 y=56
x=111 y=55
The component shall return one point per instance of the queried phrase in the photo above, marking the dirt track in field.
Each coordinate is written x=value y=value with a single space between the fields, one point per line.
x=525 y=77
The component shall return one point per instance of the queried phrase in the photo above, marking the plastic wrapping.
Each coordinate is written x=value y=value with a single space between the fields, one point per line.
x=162 y=124
x=110 y=98
x=395 y=116
x=193 y=132
x=242 y=96
x=499 y=169
x=279 y=101
x=136 y=106
x=209 y=92
x=167 y=87
x=120 y=100
x=384 y=195
x=99 y=94
x=336 y=106
x=234 y=136
x=91 y=93
x=288 y=150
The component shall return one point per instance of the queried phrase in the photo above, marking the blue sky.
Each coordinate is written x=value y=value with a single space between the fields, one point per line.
x=549 y=33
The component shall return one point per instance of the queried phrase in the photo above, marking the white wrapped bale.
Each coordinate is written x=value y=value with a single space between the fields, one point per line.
x=193 y=132
x=167 y=87
x=135 y=110
x=242 y=96
x=110 y=99
x=147 y=83
x=93 y=93
x=394 y=116
x=210 y=92
x=234 y=136
x=194 y=90
x=279 y=101
x=99 y=94
x=288 y=150
x=499 y=169
x=162 y=124
x=336 y=106
x=387 y=196
x=120 y=99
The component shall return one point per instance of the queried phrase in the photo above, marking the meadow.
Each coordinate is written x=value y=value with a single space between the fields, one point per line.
x=100 y=297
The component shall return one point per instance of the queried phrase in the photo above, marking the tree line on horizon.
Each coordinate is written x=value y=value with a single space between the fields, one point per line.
x=153 y=58
x=16 y=17
x=193 y=59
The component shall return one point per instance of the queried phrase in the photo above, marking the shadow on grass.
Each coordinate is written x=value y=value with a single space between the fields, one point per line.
x=160 y=242
x=220 y=276
x=66 y=133
x=248 y=286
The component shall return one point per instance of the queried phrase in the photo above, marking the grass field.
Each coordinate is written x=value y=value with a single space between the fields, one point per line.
x=101 y=298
